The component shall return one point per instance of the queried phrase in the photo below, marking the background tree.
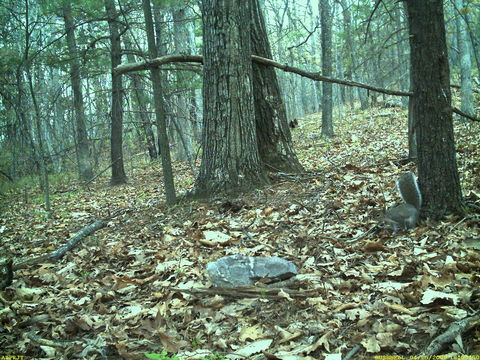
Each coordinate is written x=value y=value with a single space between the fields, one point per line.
x=466 y=95
x=83 y=157
x=141 y=100
x=116 y=146
x=327 y=102
x=159 y=107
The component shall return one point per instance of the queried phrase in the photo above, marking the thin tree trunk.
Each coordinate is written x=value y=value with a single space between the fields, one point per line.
x=116 y=149
x=182 y=46
x=40 y=148
x=349 y=50
x=466 y=94
x=141 y=100
x=84 y=167
x=159 y=108
x=327 y=101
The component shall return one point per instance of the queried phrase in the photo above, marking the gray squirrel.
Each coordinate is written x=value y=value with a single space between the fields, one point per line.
x=405 y=216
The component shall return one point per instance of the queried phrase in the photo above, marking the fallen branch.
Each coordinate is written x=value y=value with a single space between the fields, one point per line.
x=61 y=251
x=47 y=342
x=53 y=256
x=352 y=352
x=456 y=329
x=167 y=59
x=248 y=292
x=149 y=64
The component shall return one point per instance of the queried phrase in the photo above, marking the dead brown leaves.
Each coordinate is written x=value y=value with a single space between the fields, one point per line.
x=133 y=287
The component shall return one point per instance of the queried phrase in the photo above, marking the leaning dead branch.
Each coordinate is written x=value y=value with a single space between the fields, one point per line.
x=148 y=64
x=167 y=59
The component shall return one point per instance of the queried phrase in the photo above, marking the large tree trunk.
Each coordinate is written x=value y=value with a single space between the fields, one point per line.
x=273 y=134
x=431 y=108
x=83 y=158
x=159 y=108
x=116 y=145
x=230 y=159
x=327 y=101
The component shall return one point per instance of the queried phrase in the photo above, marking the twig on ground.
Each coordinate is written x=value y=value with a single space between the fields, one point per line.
x=455 y=329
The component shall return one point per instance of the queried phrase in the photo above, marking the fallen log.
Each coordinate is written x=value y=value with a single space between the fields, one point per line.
x=53 y=256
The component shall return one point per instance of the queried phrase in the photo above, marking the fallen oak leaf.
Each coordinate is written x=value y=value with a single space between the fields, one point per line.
x=214 y=238
x=374 y=246
x=168 y=342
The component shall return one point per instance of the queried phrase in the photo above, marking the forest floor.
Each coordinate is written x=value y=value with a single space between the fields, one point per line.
x=139 y=284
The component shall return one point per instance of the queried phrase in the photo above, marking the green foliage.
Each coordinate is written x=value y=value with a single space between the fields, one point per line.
x=165 y=3
x=23 y=184
x=164 y=356
x=29 y=183
x=85 y=274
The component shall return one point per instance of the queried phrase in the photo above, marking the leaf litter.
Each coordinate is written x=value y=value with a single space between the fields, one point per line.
x=139 y=285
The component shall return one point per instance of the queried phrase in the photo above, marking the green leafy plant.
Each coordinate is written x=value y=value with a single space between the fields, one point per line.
x=164 y=356
x=161 y=356
x=85 y=274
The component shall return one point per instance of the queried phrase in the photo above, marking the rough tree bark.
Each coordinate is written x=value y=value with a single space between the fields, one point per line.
x=230 y=159
x=432 y=110
x=273 y=133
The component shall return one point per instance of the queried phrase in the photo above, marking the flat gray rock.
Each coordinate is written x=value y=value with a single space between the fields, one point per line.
x=241 y=270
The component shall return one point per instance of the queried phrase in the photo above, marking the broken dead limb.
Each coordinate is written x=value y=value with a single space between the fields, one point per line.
x=455 y=329
x=46 y=342
x=168 y=59
x=148 y=64
x=53 y=256
x=249 y=292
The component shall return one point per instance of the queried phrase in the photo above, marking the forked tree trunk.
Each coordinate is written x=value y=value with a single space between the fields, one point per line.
x=273 y=134
x=230 y=159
